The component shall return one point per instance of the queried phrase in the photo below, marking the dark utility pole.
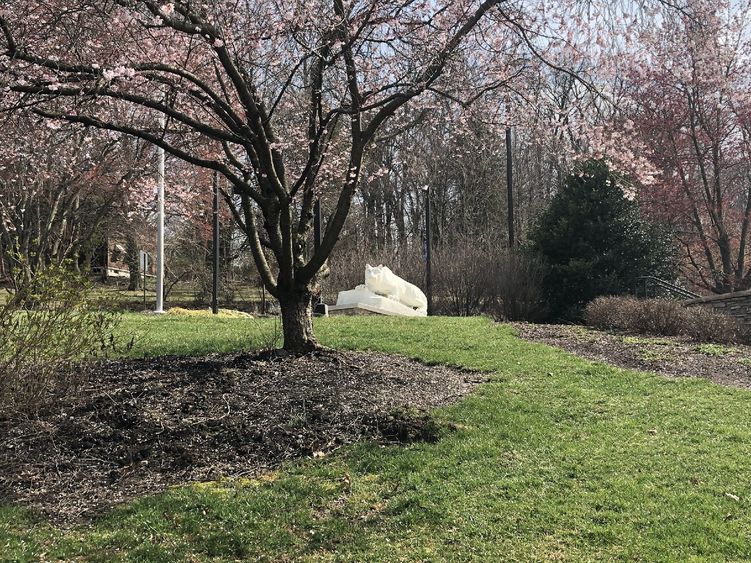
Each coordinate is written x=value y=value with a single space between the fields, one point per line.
x=215 y=280
x=317 y=224
x=145 y=266
x=509 y=189
x=428 y=276
x=317 y=236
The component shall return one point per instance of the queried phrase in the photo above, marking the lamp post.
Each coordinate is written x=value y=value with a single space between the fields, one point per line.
x=509 y=189
x=428 y=273
x=317 y=235
x=143 y=260
x=317 y=225
x=215 y=249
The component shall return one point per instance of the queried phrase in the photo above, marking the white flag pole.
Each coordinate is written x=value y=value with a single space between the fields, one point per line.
x=160 y=234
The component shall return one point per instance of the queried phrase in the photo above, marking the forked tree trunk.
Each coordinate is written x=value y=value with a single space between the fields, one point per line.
x=297 y=322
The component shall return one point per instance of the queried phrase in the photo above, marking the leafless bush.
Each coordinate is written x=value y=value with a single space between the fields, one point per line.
x=610 y=313
x=710 y=326
x=203 y=286
x=648 y=316
x=464 y=279
x=49 y=336
x=518 y=288
x=477 y=278
x=470 y=277
x=662 y=317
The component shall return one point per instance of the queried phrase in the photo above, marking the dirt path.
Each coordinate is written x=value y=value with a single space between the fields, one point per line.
x=678 y=357
x=140 y=426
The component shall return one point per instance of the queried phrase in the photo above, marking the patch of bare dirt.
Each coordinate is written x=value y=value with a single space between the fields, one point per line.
x=672 y=356
x=140 y=426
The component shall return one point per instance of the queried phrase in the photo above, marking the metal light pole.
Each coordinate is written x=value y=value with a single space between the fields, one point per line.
x=215 y=279
x=317 y=225
x=145 y=265
x=160 y=234
x=509 y=189
x=317 y=234
x=428 y=273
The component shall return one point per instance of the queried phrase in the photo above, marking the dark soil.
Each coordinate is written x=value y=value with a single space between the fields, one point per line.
x=140 y=426
x=673 y=356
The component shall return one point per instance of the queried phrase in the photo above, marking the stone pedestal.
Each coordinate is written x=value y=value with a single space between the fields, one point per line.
x=361 y=301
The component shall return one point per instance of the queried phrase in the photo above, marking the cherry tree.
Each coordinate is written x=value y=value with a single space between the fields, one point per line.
x=689 y=105
x=59 y=188
x=283 y=100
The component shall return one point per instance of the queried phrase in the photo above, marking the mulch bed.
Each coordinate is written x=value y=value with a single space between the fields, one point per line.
x=672 y=356
x=140 y=426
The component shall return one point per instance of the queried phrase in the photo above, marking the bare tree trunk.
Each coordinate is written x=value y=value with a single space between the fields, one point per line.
x=106 y=261
x=131 y=258
x=3 y=270
x=297 y=321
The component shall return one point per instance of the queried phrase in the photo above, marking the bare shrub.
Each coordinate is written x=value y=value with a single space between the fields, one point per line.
x=203 y=287
x=518 y=288
x=475 y=278
x=470 y=277
x=609 y=313
x=647 y=316
x=710 y=326
x=662 y=317
x=49 y=335
x=464 y=279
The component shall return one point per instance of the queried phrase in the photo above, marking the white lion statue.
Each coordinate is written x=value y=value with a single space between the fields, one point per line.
x=386 y=293
x=382 y=281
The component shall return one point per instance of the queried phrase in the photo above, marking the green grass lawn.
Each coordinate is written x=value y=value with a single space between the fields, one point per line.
x=556 y=458
x=183 y=293
x=160 y=335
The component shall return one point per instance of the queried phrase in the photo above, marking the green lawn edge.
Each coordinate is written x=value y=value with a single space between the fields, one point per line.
x=557 y=458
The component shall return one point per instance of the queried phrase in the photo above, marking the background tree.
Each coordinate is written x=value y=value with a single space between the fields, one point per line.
x=593 y=241
x=62 y=189
x=688 y=101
